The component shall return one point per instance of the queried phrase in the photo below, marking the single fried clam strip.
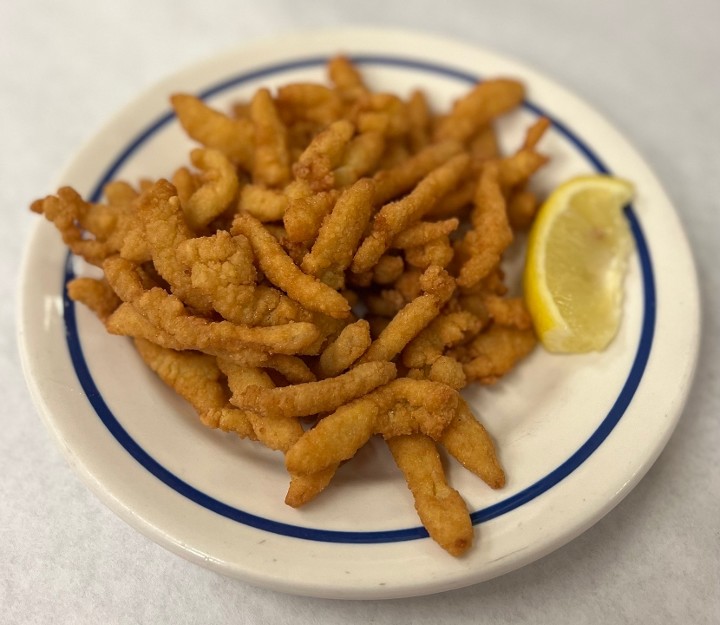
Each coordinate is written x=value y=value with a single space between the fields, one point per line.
x=169 y=315
x=306 y=210
x=311 y=195
x=392 y=182
x=403 y=328
x=349 y=345
x=325 y=152
x=413 y=317
x=232 y=137
x=535 y=132
x=387 y=114
x=67 y=211
x=424 y=232
x=186 y=184
x=470 y=444
x=218 y=190
x=447 y=330
x=304 y=488
x=309 y=102
x=97 y=295
x=445 y=369
x=388 y=269
x=361 y=157
x=337 y=437
x=264 y=204
x=440 y=507
x=484 y=144
x=271 y=160
x=517 y=168
x=341 y=230
x=495 y=352
x=403 y=406
x=491 y=233
x=448 y=371
x=279 y=269
x=508 y=311
x=487 y=100
x=420 y=117
x=416 y=406
x=292 y=368
x=395 y=217
x=437 y=252
x=299 y=400
x=523 y=205
x=346 y=79
x=126 y=320
x=488 y=213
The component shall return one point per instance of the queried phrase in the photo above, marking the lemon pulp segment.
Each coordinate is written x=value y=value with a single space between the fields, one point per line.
x=576 y=263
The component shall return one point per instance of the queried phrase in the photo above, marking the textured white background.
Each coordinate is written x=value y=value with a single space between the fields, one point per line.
x=651 y=66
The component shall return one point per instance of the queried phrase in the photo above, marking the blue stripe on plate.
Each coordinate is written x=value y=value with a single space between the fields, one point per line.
x=511 y=503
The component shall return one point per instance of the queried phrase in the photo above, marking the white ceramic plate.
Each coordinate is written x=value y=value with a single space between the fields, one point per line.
x=575 y=433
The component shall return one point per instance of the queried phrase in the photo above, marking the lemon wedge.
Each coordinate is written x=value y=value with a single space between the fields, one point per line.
x=576 y=263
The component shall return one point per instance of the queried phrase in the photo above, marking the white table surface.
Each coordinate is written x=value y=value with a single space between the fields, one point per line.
x=651 y=66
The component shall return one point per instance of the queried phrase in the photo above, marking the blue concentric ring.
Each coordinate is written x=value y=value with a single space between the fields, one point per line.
x=531 y=492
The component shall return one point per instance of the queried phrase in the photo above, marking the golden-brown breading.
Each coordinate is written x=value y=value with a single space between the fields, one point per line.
x=302 y=400
x=439 y=506
x=213 y=129
x=495 y=352
x=393 y=218
x=486 y=101
x=447 y=330
x=271 y=158
x=217 y=190
x=404 y=406
x=341 y=231
x=491 y=233
x=279 y=269
x=350 y=344
x=469 y=443
x=330 y=258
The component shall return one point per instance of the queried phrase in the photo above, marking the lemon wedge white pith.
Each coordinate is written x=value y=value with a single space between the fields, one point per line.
x=576 y=262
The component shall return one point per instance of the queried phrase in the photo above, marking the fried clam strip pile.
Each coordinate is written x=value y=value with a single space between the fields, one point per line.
x=326 y=269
